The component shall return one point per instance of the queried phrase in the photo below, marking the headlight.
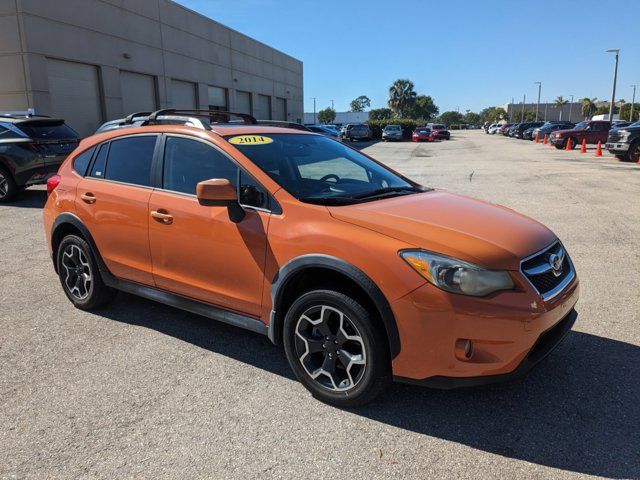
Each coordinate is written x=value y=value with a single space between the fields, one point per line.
x=456 y=276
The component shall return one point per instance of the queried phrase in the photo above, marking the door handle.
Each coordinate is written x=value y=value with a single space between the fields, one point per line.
x=88 y=198
x=162 y=216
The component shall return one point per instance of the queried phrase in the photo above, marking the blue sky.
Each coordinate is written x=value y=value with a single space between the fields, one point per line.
x=467 y=53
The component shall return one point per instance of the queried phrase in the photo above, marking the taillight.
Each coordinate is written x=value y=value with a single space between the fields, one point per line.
x=52 y=183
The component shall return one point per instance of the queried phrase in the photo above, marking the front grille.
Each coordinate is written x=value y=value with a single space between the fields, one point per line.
x=614 y=136
x=540 y=272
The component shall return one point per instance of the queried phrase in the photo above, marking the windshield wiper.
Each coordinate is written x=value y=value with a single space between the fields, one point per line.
x=386 y=191
x=330 y=200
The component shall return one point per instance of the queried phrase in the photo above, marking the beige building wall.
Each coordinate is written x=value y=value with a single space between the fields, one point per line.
x=133 y=46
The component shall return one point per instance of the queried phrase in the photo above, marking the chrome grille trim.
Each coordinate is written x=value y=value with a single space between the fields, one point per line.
x=541 y=269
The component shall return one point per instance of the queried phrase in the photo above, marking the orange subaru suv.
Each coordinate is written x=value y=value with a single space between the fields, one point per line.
x=362 y=274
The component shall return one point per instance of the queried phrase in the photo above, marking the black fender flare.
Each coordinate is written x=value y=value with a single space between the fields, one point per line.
x=294 y=266
x=71 y=219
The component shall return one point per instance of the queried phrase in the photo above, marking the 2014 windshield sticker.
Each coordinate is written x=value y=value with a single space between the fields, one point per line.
x=250 y=140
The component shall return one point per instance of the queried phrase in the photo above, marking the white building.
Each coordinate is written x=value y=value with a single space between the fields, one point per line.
x=341 y=117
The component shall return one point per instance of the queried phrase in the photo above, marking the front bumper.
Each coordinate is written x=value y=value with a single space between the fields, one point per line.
x=510 y=331
x=617 y=147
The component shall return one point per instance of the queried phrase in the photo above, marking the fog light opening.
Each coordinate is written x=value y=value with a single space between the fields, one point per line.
x=464 y=349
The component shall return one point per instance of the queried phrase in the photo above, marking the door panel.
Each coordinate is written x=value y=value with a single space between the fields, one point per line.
x=117 y=216
x=202 y=254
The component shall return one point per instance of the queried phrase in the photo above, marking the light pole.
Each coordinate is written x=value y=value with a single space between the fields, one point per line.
x=315 y=121
x=512 y=108
x=615 y=79
x=332 y=105
x=633 y=100
x=524 y=100
x=571 y=108
x=546 y=104
x=538 y=104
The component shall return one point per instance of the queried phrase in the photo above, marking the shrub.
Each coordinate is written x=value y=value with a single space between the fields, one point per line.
x=408 y=126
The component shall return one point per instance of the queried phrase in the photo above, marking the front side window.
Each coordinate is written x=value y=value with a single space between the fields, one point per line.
x=317 y=169
x=130 y=160
x=188 y=162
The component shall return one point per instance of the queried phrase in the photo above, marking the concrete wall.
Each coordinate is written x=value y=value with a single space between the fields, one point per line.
x=572 y=113
x=153 y=37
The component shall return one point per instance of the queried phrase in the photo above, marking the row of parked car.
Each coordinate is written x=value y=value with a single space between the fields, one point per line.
x=620 y=138
x=361 y=132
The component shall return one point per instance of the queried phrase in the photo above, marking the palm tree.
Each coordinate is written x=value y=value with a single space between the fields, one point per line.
x=401 y=96
x=560 y=102
x=588 y=107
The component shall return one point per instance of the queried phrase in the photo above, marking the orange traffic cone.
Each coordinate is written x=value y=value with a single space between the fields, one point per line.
x=544 y=140
x=537 y=138
x=583 y=148
x=599 y=149
x=568 y=146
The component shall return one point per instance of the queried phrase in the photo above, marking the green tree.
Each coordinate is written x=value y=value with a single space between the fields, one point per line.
x=402 y=97
x=328 y=115
x=588 y=107
x=560 y=103
x=493 y=114
x=451 y=118
x=423 y=108
x=359 y=104
x=380 y=113
x=625 y=112
x=473 y=118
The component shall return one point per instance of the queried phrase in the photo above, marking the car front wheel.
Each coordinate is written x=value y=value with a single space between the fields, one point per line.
x=336 y=348
x=79 y=275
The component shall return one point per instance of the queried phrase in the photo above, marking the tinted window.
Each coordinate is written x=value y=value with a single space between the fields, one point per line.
x=188 y=162
x=81 y=162
x=6 y=133
x=251 y=193
x=97 y=170
x=48 y=130
x=130 y=160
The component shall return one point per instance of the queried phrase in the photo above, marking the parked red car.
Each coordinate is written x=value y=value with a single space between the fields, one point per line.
x=593 y=131
x=423 y=134
x=503 y=129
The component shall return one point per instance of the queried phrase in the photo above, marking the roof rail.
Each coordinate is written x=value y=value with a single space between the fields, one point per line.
x=248 y=119
x=129 y=118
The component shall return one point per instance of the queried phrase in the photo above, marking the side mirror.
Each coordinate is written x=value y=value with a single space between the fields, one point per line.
x=216 y=192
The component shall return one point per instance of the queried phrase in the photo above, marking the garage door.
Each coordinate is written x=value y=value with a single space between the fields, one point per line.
x=138 y=92
x=75 y=94
x=263 y=107
x=281 y=109
x=243 y=102
x=183 y=94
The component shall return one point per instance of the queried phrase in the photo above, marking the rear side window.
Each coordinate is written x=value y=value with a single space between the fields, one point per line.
x=81 y=162
x=188 y=162
x=97 y=170
x=130 y=160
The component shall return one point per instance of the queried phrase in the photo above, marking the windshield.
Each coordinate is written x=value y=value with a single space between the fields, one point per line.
x=392 y=127
x=422 y=130
x=580 y=126
x=635 y=124
x=47 y=130
x=320 y=170
x=438 y=127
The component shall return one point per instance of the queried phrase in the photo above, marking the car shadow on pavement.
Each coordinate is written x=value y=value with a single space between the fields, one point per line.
x=577 y=411
x=361 y=144
x=28 y=199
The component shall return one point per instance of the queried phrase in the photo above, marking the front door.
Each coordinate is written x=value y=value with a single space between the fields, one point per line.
x=113 y=202
x=199 y=251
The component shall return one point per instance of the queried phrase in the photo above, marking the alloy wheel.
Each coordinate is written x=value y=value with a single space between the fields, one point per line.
x=77 y=272
x=330 y=348
x=4 y=186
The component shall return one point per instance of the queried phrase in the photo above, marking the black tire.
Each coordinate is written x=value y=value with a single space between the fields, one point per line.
x=623 y=157
x=572 y=143
x=8 y=187
x=359 y=386
x=634 y=152
x=90 y=293
x=558 y=147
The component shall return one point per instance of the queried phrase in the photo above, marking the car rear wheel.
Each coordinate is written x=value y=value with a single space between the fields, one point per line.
x=8 y=187
x=79 y=274
x=336 y=348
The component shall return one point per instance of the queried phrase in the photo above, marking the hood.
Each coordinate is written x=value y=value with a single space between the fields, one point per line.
x=456 y=225
x=568 y=131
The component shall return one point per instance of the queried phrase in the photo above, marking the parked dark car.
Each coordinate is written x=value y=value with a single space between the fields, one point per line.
x=549 y=127
x=512 y=129
x=439 y=131
x=518 y=132
x=326 y=131
x=592 y=131
x=624 y=142
x=31 y=150
x=356 y=131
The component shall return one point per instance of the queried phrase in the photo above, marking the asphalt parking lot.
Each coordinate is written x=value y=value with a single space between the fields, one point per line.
x=140 y=390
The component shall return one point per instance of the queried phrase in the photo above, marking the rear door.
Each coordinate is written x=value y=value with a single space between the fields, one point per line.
x=113 y=202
